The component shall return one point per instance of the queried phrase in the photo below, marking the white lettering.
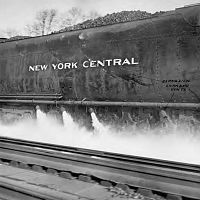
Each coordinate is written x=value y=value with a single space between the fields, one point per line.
x=102 y=63
x=109 y=62
x=67 y=65
x=92 y=63
x=117 y=61
x=74 y=65
x=44 y=67
x=60 y=65
x=31 y=68
x=54 y=66
x=133 y=62
x=126 y=61
x=37 y=67
x=84 y=64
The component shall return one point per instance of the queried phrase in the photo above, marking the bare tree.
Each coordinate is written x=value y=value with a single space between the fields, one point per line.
x=44 y=23
x=74 y=16
x=8 y=33
x=52 y=18
x=48 y=21
x=71 y=17
x=93 y=15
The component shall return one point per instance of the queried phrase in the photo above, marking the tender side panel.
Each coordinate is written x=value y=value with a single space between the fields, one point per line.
x=166 y=49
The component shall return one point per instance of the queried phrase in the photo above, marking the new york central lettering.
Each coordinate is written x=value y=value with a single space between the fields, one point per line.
x=57 y=66
x=60 y=66
x=38 y=68
x=116 y=62
x=109 y=62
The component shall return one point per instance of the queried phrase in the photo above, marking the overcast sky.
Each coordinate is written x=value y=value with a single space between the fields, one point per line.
x=17 y=13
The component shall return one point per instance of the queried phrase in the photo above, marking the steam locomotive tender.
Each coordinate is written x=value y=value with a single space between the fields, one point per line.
x=136 y=67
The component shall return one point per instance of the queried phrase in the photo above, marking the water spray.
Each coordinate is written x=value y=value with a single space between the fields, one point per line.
x=40 y=116
x=174 y=143
x=96 y=124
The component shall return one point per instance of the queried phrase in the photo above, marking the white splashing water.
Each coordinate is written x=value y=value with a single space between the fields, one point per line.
x=41 y=117
x=98 y=127
x=68 y=120
x=176 y=143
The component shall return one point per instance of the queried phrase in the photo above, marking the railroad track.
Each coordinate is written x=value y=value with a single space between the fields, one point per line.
x=172 y=180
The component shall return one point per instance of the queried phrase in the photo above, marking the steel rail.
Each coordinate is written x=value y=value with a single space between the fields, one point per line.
x=171 y=177
x=106 y=155
x=103 y=154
